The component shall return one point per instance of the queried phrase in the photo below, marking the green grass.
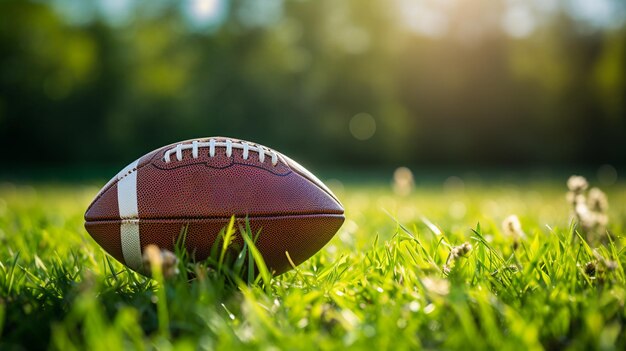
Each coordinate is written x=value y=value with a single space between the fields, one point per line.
x=379 y=284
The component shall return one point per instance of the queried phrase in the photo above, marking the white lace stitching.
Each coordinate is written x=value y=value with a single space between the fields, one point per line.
x=228 y=144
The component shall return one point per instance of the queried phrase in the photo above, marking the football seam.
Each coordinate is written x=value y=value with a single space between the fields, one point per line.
x=158 y=152
x=117 y=179
x=225 y=167
x=317 y=214
x=291 y=170
x=332 y=196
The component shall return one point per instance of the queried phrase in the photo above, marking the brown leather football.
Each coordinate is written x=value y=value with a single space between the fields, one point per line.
x=201 y=184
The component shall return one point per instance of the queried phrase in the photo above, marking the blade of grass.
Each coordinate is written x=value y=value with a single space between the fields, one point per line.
x=258 y=260
x=228 y=234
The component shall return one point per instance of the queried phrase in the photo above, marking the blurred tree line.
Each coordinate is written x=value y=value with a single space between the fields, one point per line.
x=480 y=82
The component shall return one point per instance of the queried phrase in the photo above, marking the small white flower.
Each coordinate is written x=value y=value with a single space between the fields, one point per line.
x=461 y=250
x=403 y=182
x=456 y=252
x=512 y=227
x=577 y=184
x=154 y=257
x=598 y=201
x=591 y=210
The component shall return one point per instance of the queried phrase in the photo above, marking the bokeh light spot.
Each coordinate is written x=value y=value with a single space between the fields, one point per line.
x=457 y=210
x=205 y=8
x=205 y=13
x=425 y=18
x=362 y=126
x=518 y=22
x=403 y=181
x=453 y=185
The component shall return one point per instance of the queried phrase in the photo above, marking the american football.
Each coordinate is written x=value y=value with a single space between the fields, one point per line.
x=200 y=185
x=472 y=158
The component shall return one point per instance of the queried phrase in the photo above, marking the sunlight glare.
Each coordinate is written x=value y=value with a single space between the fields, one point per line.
x=204 y=9
x=426 y=18
x=518 y=21
x=205 y=14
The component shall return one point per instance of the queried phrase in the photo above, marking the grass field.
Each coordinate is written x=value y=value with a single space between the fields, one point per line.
x=378 y=285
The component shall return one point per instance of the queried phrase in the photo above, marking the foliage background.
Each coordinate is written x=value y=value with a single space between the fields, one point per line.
x=347 y=83
x=434 y=85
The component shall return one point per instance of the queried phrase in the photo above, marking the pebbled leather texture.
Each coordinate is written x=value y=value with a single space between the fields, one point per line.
x=293 y=210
